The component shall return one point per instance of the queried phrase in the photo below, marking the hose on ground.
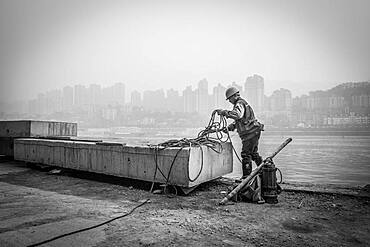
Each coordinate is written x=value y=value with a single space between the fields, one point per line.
x=91 y=227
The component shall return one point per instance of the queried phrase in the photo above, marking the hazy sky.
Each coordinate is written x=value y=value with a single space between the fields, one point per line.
x=299 y=45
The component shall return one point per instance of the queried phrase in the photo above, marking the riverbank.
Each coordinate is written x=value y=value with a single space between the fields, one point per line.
x=36 y=205
x=319 y=131
x=126 y=131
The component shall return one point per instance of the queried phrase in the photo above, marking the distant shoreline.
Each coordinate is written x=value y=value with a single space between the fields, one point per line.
x=319 y=131
x=174 y=131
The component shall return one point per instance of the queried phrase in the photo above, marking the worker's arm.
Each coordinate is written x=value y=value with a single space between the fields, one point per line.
x=236 y=113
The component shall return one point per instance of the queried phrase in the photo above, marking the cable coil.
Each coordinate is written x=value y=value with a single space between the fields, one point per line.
x=204 y=138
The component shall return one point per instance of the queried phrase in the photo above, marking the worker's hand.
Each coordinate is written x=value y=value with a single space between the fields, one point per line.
x=231 y=127
x=221 y=112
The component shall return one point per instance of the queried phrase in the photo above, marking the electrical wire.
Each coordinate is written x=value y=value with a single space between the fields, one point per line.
x=218 y=127
x=167 y=178
x=91 y=227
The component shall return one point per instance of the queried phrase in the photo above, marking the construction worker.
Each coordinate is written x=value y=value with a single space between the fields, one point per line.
x=247 y=126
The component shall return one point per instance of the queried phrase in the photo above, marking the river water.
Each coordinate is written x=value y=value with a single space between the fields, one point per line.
x=317 y=159
x=343 y=160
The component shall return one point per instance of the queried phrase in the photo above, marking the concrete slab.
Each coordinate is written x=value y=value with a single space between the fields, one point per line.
x=186 y=167
x=7 y=146
x=9 y=130
x=32 y=128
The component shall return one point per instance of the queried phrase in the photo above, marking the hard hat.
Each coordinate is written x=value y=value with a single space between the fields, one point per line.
x=230 y=92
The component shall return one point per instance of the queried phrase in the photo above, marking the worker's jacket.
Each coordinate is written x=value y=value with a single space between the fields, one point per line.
x=245 y=123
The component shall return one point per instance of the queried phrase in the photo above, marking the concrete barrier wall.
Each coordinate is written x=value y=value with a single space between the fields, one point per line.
x=31 y=128
x=128 y=161
x=6 y=146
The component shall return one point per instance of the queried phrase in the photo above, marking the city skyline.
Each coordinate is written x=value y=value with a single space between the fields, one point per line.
x=201 y=99
x=126 y=96
x=346 y=105
x=300 y=45
x=267 y=91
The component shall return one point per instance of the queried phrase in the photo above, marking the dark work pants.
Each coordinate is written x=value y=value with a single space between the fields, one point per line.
x=249 y=153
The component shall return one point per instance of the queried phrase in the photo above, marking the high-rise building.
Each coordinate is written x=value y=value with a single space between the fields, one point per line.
x=278 y=110
x=219 y=100
x=107 y=96
x=281 y=101
x=94 y=94
x=113 y=95
x=202 y=97
x=67 y=98
x=254 y=92
x=53 y=101
x=119 y=93
x=173 y=101
x=190 y=100
x=136 y=98
x=81 y=95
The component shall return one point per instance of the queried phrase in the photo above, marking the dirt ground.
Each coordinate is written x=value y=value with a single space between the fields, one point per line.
x=36 y=205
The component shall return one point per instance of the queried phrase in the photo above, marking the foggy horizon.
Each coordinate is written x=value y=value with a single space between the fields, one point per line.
x=298 y=45
x=194 y=86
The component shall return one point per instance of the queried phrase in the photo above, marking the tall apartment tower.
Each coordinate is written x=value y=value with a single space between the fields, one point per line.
x=281 y=101
x=113 y=95
x=219 y=100
x=95 y=94
x=190 y=100
x=80 y=95
x=54 y=101
x=119 y=93
x=254 y=92
x=67 y=98
x=202 y=96
x=173 y=101
x=136 y=98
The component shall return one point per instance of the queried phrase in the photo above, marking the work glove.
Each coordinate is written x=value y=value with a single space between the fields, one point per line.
x=231 y=127
x=221 y=112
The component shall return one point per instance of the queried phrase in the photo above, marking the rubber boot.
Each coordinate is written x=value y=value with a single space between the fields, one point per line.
x=258 y=160
x=247 y=169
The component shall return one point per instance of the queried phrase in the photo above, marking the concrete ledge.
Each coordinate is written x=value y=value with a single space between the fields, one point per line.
x=173 y=165
x=7 y=146
x=32 y=128
x=9 y=130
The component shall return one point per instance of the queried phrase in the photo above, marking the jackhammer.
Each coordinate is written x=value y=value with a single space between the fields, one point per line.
x=269 y=184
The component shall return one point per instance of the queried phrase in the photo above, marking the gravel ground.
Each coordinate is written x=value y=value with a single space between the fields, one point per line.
x=35 y=206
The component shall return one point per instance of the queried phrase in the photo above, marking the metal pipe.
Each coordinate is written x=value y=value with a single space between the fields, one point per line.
x=254 y=172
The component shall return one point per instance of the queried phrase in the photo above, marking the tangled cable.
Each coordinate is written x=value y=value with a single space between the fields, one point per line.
x=204 y=138
x=219 y=128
